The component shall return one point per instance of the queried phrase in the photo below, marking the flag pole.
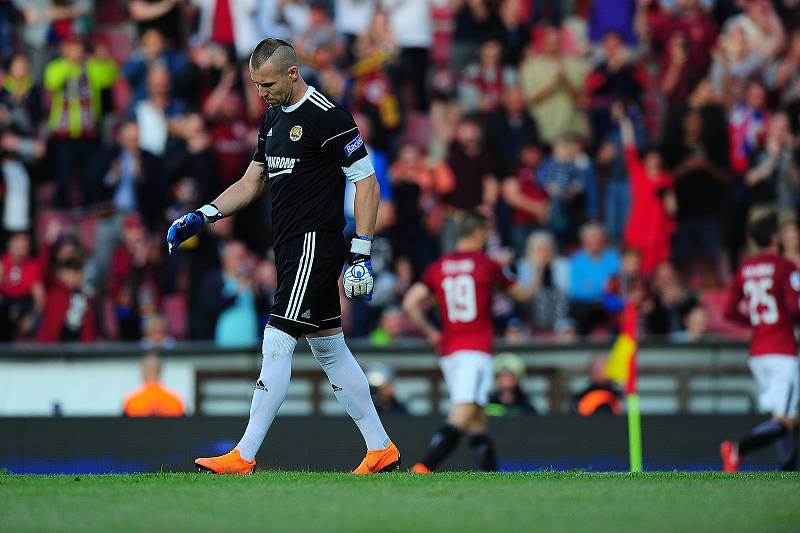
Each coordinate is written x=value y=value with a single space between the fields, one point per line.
x=622 y=368
x=632 y=394
x=634 y=432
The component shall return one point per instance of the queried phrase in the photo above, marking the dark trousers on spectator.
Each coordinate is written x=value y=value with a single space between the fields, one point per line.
x=413 y=69
x=587 y=316
x=81 y=156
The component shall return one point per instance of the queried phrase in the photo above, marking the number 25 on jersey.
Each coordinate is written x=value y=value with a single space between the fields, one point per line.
x=760 y=303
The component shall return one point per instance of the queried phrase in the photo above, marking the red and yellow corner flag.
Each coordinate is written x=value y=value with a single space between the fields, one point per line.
x=621 y=366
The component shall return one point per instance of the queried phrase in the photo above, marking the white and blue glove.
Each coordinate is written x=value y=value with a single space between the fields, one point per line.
x=357 y=278
x=189 y=224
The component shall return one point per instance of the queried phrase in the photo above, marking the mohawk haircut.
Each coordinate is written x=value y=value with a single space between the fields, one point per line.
x=277 y=51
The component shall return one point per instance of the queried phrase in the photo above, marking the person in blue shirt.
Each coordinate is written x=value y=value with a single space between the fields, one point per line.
x=569 y=179
x=590 y=270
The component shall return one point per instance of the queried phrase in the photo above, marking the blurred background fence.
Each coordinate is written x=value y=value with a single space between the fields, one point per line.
x=81 y=380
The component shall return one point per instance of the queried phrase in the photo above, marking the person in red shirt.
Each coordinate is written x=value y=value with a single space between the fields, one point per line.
x=462 y=284
x=21 y=288
x=133 y=279
x=765 y=295
x=526 y=197
x=69 y=314
x=650 y=222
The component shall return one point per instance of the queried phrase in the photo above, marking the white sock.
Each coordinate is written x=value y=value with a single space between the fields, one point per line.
x=271 y=387
x=350 y=387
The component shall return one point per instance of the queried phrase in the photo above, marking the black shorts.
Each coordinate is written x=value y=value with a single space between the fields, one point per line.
x=307 y=298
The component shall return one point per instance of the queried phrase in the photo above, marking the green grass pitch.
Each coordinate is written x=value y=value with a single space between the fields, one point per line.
x=447 y=502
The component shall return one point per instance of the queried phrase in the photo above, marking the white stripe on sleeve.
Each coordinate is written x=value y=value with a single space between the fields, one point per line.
x=359 y=170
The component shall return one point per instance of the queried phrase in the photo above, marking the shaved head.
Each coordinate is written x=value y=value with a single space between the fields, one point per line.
x=276 y=51
x=275 y=71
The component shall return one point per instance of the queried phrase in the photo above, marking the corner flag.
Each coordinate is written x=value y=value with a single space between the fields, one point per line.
x=622 y=368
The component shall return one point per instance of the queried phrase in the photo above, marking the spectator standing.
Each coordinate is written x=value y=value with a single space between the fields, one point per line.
x=40 y=16
x=700 y=186
x=772 y=179
x=22 y=290
x=157 y=113
x=69 y=315
x=20 y=98
x=74 y=83
x=124 y=177
x=590 y=270
x=351 y=18
x=230 y=137
x=699 y=32
x=152 y=398
x=735 y=62
x=412 y=26
x=612 y=169
x=508 y=129
x=474 y=21
x=231 y=23
x=527 y=199
x=164 y=15
x=416 y=189
x=569 y=180
x=153 y=48
x=484 y=82
x=666 y=309
x=230 y=297
x=760 y=26
x=684 y=38
x=650 y=224
x=548 y=275
x=20 y=145
x=553 y=85
x=617 y=78
x=475 y=187
x=133 y=286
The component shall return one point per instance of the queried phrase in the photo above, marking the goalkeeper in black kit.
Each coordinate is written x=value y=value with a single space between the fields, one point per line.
x=307 y=147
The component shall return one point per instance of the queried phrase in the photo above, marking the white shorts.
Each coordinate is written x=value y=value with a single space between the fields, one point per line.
x=778 y=383
x=469 y=376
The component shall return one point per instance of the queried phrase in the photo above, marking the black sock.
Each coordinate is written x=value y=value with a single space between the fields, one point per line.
x=762 y=435
x=443 y=442
x=483 y=449
x=786 y=447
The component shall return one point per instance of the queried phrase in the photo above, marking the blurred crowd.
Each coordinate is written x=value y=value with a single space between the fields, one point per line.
x=618 y=147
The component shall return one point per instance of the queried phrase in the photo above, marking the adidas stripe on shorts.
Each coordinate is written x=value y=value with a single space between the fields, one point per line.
x=307 y=297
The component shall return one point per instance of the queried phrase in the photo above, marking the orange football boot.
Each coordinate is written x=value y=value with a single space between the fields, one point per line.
x=385 y=460
x=230 y=463
x=420 y=468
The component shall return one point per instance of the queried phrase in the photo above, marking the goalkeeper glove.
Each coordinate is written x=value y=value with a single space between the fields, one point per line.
x=189 y=224
x=357 y=278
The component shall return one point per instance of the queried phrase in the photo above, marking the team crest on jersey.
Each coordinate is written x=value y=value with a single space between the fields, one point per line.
x=295 y=133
